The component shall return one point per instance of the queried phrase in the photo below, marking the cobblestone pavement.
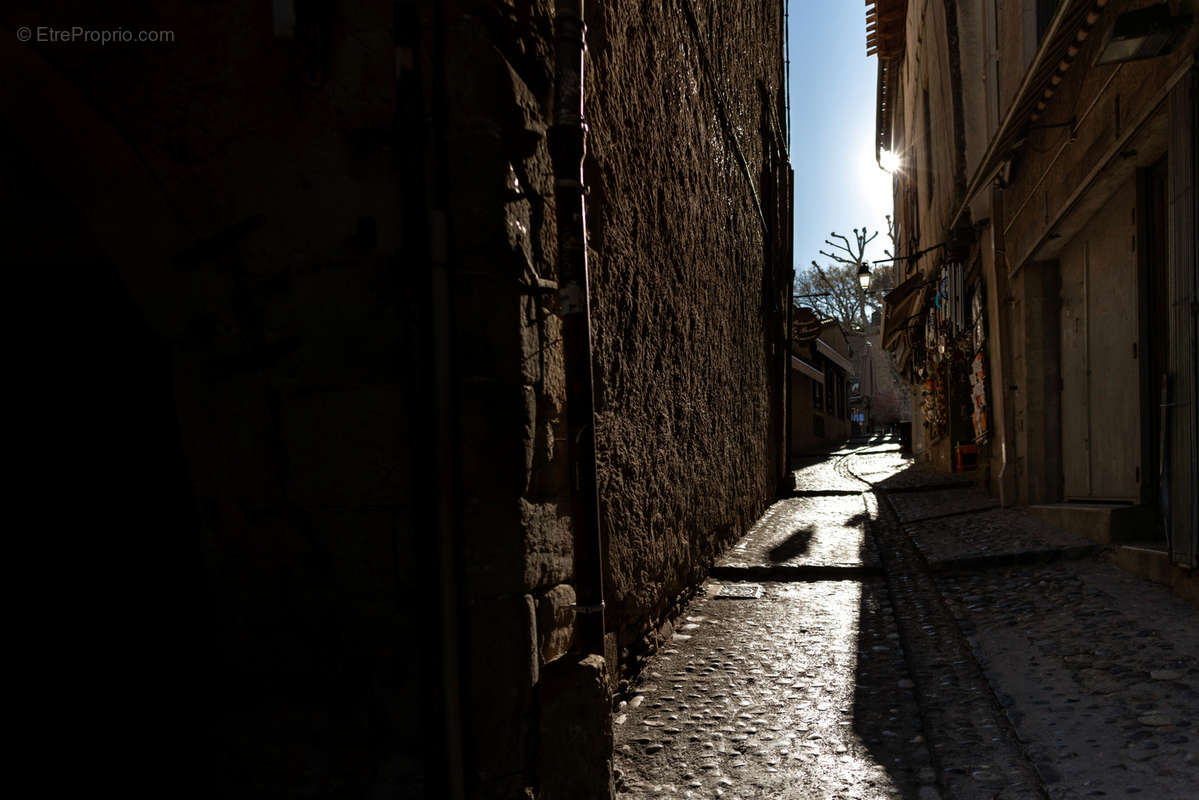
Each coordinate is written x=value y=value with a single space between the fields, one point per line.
x=1097 y=671
x=990 y=536
x=798 y=692
x=805 y=532
x=820 y=474
x=938 y=503
x=997 y=657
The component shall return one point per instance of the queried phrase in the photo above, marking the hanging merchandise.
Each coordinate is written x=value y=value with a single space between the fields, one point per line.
x=934 y=405
x=976 y=314
x=978 y=396
x=957 y=296
x=931 y=337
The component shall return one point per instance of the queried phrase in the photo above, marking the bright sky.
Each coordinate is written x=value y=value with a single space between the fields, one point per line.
x=838 y=185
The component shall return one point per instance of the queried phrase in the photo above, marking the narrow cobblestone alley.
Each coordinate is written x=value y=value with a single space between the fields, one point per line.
x=886 y=631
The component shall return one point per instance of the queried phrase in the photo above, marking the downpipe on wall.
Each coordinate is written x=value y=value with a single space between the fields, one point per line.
x=567 y=140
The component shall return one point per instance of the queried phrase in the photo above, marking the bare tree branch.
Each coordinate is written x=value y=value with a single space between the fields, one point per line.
x=839 y=279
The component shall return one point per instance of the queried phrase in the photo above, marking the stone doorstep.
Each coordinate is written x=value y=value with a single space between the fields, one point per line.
x=1102 y=523
x=1154 y=565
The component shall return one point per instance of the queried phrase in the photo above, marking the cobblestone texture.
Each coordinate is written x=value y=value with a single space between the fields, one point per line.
x=822 y=475
x=879 y=466
x=1060 y=680
x=933 y=504
x=805 y=531
x=896 y=473
x=799 y=693
x=1098 y=672
x=991 y=535
x=972 y=744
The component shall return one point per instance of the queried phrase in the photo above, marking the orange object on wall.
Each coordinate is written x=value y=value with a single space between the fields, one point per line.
x=966 y=457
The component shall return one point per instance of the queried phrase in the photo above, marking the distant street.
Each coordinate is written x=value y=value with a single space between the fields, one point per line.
x=889 y=632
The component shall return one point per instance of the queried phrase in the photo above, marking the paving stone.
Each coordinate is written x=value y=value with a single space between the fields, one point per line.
x=822 y=475
x=991 y=534
x=1027 y=679
x=806 y=531
x=915 y=506
x=788 y=700
x=1073 y=647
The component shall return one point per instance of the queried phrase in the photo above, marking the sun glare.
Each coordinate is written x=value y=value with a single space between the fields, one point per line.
x=890 y=161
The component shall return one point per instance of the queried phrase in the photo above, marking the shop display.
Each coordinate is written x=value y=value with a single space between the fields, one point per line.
x=978 y=396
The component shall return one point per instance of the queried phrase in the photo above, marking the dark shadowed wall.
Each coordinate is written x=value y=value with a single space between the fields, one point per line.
x=322 y=361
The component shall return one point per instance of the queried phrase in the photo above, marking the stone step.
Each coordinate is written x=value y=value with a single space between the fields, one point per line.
x=1153 y=564
x=1104 y=523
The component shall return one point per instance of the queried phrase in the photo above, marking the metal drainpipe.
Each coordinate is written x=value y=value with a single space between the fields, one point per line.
x=567 y=144
x=789 y=249
x=1007 y=443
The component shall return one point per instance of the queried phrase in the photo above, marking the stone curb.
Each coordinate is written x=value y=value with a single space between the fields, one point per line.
x=1019 y=558
x=795 y=573
x=963 y=719
x=797 y=493
x=924 y=487
x=947 y=515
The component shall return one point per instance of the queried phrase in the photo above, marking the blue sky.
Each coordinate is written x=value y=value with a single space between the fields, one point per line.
x=838 y=185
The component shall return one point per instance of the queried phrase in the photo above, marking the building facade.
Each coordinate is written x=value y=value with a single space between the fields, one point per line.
x=1045 y=197
x=822 y=376
x=316 y=258
x=878 y=399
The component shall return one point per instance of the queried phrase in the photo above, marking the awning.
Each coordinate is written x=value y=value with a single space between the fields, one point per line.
x=803 y=367
x=833 y=356
x=899 y=306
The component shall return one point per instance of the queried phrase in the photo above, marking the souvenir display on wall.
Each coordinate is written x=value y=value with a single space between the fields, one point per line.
x=953 y=350
x=978 y=396
x=976 y=314
x=935 y=406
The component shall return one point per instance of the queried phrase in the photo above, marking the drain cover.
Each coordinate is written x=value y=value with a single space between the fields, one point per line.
x=740 y=591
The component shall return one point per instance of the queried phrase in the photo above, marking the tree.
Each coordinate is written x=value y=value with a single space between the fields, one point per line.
x=843 y=298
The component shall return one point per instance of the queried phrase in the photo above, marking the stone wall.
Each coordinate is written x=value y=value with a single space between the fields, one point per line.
x=517 y=584
x=687 y=290
x=323 y=257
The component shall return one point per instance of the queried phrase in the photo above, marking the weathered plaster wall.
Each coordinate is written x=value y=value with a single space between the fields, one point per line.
x=801 y=411
x=934 y=148
x=683 y=295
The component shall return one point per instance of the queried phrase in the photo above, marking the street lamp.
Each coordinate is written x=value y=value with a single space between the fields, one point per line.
x=864 y=276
